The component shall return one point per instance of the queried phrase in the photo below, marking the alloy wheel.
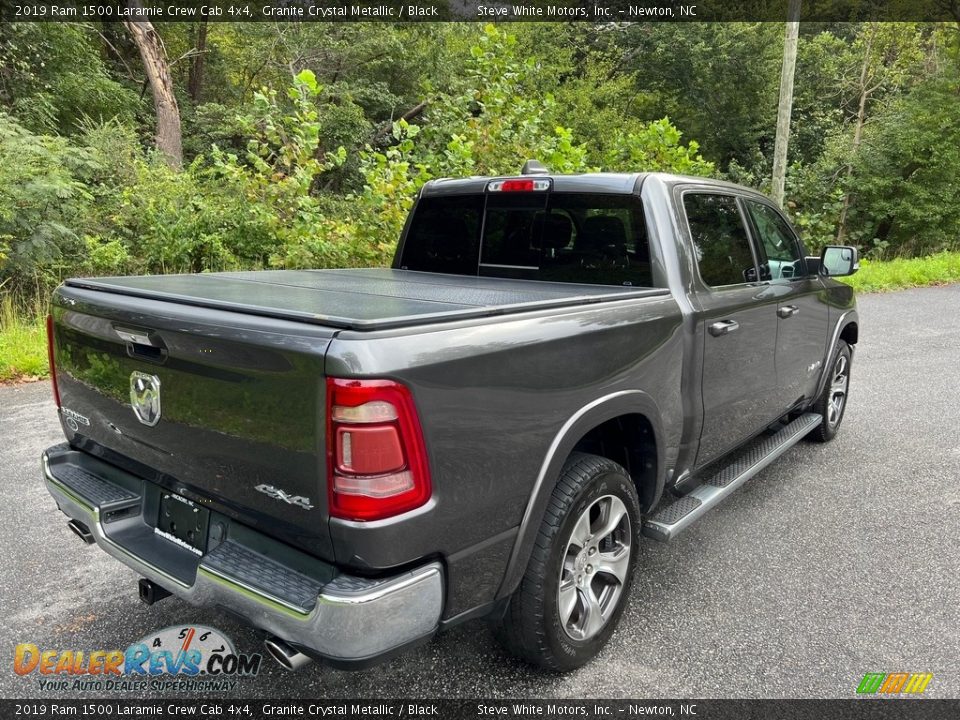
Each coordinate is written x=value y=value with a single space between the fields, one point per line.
x=596 y=564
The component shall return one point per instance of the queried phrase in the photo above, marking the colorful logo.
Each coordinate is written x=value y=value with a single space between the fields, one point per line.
x=192 y=652
x=894 y=683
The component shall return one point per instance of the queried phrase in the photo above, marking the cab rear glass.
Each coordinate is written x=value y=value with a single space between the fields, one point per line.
x=591 y=238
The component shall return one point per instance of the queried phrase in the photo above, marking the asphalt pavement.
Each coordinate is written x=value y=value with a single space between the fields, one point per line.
x=840 y=559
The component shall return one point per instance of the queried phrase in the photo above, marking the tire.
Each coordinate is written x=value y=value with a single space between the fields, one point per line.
x=835 y=391
x=592 y=491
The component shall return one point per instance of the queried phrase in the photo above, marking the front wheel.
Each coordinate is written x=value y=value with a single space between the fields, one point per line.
x=576 y=584
x=833 y=400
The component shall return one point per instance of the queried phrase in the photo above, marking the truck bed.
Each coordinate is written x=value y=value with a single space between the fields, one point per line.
x=360 y=299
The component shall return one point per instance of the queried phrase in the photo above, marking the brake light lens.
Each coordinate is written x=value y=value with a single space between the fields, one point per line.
x=518 y=185
x=377 y=462
x=52 y=360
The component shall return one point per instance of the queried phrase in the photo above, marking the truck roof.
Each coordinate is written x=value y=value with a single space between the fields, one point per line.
x=610 y=183
x=614 y=183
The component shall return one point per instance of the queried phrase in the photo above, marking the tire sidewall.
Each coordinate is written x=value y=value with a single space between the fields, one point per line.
x=828 y=431
x=568 y=652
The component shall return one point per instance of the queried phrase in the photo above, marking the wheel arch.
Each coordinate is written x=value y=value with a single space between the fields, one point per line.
x=846 y=329
x=609 y=423
x=850 y=332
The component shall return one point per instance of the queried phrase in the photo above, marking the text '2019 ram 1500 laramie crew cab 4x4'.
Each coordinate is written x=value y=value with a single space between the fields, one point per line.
x=352 y=460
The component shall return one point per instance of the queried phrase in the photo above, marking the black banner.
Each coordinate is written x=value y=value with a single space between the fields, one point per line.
x=602 y=11
x=872 y=709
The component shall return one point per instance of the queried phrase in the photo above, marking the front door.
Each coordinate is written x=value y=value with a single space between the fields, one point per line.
x=737 y=316
x=802 y=313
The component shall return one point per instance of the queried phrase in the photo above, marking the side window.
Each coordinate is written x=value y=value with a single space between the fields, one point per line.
x=778 y=243
x=719 y=239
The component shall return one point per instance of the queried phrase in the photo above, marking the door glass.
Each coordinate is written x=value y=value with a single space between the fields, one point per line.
x=783 y=259
x=719 y=239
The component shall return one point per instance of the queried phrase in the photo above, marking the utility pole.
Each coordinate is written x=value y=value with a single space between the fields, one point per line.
x=786 y=100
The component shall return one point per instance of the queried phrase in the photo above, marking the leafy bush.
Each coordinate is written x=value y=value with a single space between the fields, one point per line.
x=910 y=157
x=54 y=78
x=44 y=202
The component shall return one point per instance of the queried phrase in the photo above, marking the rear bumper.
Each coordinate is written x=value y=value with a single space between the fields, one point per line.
x=346 y=620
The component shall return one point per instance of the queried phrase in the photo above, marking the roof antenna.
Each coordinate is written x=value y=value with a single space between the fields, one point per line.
x=534 y=167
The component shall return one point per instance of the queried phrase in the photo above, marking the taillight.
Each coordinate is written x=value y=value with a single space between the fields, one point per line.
x=52 y=360
x=377 y=460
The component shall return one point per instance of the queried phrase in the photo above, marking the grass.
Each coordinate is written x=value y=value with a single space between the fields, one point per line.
x=879 y=276
x=23 y=345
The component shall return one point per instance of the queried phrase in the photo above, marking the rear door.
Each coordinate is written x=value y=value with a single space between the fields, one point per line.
x=802 y=313
x=737 y=316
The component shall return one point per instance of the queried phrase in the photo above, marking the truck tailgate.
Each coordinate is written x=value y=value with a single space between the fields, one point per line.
x=241 y=404
x=359 y=299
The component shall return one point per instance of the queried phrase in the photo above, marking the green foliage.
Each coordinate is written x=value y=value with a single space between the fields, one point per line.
x=54 y=78
x=43 y=202
x=23 y=346
x=657 y=147
x=877 y=276
x=902 y=176
x=717 y=81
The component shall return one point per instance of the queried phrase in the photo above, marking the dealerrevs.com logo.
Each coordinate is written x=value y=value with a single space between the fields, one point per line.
x=894 y=683
x=177 y=658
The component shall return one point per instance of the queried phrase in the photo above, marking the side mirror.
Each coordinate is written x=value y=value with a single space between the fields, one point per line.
x=839 y=260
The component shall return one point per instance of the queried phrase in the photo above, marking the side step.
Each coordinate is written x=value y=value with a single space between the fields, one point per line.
x=674 y=518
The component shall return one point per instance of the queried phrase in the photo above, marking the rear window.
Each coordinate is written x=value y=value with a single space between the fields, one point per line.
x=558 y=237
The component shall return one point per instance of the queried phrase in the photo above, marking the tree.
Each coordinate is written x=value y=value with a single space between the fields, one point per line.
x=169 y=138
x=195 y=81
x=717 y=82
x=888 y=53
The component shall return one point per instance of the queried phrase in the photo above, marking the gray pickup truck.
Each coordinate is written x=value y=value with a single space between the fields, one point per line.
x=353 y=460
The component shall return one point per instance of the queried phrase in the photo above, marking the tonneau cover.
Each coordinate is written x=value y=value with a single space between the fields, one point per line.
x=359 y=299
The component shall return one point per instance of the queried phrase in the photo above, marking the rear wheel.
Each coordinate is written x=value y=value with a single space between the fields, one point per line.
x=833 y=400
x=574 y=590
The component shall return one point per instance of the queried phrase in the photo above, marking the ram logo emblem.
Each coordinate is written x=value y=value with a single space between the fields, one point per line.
x=145 y=397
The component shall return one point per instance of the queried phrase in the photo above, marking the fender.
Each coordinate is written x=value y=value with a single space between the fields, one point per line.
x=844 y=320
x=624 y=402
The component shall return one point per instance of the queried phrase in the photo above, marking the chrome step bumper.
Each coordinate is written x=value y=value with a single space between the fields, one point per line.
x=341 y=618
x=682 y=513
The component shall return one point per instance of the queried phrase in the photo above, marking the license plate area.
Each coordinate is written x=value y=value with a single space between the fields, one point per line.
x=184 y=522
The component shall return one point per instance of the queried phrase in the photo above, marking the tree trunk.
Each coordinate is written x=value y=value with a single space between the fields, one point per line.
x=857 y=135
x=169 y=140
x=785 y=108
x=195 y=81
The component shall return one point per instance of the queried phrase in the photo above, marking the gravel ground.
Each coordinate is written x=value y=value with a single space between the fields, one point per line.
x=840 y=559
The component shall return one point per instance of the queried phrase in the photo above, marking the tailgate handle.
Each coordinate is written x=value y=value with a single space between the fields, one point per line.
x=143 y=344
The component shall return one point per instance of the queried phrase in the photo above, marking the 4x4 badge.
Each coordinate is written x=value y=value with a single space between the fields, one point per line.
x=278 y=494
x=145 y=397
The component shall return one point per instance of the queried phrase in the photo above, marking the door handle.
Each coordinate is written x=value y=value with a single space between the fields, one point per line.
x=723 y=327
x=787 y=311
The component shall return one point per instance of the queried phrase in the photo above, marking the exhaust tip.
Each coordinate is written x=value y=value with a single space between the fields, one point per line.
x=288 y=657
x=81 y=531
